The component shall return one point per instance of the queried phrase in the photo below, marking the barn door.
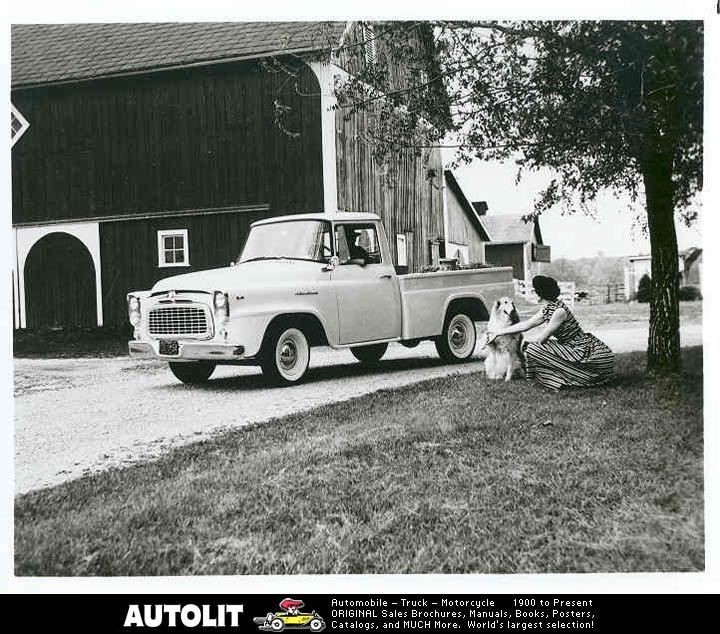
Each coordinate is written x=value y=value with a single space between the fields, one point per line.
x=59 y=283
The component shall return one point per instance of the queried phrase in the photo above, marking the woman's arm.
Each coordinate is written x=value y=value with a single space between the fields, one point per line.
x=522 y=326
x=558 y=317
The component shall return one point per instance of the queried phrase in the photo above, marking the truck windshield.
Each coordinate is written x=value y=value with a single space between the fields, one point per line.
x=291 y=239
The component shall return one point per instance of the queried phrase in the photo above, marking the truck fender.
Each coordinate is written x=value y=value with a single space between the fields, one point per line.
x=473 y=303
x=311 y=322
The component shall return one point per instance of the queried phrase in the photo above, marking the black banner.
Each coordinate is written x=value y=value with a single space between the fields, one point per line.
x=371 y=613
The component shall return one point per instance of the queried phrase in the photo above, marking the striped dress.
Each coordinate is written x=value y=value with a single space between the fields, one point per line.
x=571 y=358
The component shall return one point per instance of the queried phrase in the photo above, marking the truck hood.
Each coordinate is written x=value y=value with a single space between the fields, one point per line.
x=261 y=273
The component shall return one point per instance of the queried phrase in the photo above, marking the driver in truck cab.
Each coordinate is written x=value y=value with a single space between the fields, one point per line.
x=355 y=248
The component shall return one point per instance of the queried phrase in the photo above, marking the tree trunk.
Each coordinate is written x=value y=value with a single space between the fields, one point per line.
x=663 y=353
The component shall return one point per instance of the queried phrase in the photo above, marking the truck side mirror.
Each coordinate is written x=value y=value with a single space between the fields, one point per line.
x=332 y=263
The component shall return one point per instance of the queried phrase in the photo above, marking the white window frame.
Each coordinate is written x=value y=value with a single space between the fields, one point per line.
x=402 y=249
x=24 y=125
x=166 y=233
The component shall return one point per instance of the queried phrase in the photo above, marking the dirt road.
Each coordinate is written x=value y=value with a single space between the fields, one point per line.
x=76 y=416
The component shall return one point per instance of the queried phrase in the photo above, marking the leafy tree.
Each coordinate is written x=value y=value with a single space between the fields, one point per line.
x=603 y=105
x=644 y=291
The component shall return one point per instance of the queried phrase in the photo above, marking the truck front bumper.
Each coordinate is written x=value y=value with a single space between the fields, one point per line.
x=189 y=351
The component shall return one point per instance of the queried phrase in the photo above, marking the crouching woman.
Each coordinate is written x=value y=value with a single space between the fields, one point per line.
x=562 y=355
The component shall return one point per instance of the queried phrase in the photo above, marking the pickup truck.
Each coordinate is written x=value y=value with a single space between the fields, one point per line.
x=309 y=280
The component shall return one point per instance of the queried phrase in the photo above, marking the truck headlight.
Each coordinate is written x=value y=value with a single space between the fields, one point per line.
x=221 y=304
x=134 y=310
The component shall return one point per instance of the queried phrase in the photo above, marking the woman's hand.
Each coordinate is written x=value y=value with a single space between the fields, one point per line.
x=490 y=337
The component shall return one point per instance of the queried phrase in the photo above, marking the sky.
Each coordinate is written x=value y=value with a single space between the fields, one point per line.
x=612 y=232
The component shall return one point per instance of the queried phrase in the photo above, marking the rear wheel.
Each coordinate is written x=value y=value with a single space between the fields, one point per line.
x=193 y=371
x=369 y=355
x=286 y=356
x=457 y=341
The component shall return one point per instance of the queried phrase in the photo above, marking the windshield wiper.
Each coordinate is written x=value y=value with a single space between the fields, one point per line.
x=266 y=257
x=281 y=257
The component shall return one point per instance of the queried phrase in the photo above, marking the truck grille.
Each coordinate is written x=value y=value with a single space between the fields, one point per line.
x=178 y=320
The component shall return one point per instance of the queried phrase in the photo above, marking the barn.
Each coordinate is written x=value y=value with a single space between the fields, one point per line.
x=142 y=151
x=516 y=243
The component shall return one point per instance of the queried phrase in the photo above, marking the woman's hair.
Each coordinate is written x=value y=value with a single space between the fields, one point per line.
x=546 y=287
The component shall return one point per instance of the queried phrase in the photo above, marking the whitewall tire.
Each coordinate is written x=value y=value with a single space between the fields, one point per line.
x=286 y=357
x=457 y=341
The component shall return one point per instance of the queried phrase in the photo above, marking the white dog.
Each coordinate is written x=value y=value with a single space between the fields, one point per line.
x=504 y=357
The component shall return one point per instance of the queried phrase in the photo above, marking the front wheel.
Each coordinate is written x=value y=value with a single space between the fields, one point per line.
x=193 y=371
x=286 y=356
x=369 y=355
x=457 y=341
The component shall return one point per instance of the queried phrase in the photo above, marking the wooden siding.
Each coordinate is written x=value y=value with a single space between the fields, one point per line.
x=507 y=255
x=199 y=138
x=404 y=58
x=130 y=252
x=60 y=283
x=460 y=229
x=408 y=202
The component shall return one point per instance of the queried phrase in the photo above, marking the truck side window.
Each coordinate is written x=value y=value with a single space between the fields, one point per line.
x=358 y=241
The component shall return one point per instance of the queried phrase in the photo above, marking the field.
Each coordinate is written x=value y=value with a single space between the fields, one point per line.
x=454 y=475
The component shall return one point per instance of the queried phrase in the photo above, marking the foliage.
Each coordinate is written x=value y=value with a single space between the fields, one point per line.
x=689 y=294
x=590 y=100
x=585 y=272
x=644 y=291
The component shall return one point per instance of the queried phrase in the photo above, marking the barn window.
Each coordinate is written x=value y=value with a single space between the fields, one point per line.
x=173 y=248
x=368 y=35
x=18 y=125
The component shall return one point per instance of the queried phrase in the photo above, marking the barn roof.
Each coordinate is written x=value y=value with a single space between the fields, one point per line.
x=691 y=254
x=49 y=53
x=511 y=228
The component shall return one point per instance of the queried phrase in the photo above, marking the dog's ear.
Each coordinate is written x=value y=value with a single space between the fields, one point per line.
x=514 y=317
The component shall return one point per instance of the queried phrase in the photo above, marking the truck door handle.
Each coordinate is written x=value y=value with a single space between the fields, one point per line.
x=386 y=276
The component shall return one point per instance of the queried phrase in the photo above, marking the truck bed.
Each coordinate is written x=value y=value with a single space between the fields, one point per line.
x=425 y=296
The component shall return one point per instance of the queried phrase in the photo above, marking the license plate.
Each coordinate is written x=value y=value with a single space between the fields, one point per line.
x=169 y=347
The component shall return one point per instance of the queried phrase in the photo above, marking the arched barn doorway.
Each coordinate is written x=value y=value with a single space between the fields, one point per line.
x=59 y=283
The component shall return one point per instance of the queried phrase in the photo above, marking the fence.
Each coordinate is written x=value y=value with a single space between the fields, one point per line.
x=606 y=294
x=594 y=294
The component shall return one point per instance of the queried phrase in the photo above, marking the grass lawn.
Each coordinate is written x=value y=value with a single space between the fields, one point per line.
x=454 y=475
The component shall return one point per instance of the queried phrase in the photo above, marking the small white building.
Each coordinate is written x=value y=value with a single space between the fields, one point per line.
x=689 y=267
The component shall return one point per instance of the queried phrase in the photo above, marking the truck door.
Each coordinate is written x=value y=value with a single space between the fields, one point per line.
x=368 y=296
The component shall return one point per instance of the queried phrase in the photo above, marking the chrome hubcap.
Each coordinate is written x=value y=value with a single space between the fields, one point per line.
x=458 y=336
x=288 y=355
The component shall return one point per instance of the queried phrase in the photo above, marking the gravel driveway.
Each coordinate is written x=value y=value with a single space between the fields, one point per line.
x=77 y=416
